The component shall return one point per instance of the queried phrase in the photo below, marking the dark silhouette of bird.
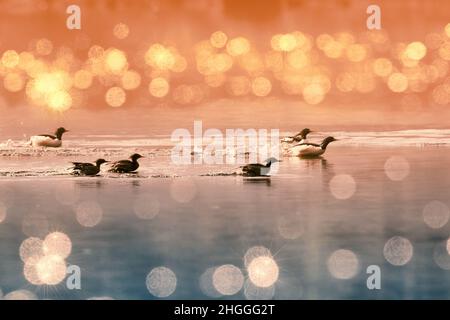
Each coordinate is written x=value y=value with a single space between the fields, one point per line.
x=48 y=140
x=258 y=169
x=88 y=169
x=126 y=166
x=299 y=137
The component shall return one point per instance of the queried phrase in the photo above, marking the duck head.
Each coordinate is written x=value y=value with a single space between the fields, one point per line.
x=100 y=162
x=327 y=141
x=60 y=131
x=304 y=133
x=135 y=157
x=270 y=161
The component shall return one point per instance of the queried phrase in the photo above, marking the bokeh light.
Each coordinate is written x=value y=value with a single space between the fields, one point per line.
x=228 y=279
x=89 y=213
x=218 y=39
x=436 y=214
x=31 y=247
x=398 y=82
x=121 y=31
x=20 y=295
x=343 y=264
x=441 y=255
x=51 y=269
x=253 y=292
x=115 y=97
x=206 y=284
x=291 y=225
x=115 y=61
x=398 y=251
x=261 y=86
x=159 y=87
x=255 y=252
x=161 y=282
x=263 y=271
x=342 y=186
x=396 y=168
x=238 y=46
x=183 y=190
x=131 y=80
x=146 y=208
x=57 y=243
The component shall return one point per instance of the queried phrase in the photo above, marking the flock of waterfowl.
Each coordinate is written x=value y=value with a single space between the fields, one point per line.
x=296 y=145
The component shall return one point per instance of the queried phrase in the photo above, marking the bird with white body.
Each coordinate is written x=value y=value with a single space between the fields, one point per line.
x=48 y=140
x=310 y=149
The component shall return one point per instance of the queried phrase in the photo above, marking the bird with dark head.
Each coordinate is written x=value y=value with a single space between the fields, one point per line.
x=48 y=140
x=258 y=169
x=311 y=149
x=299 y=137
x=86 y=168
x=126 y=166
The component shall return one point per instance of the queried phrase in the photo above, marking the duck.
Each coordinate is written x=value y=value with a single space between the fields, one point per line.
x=48 y=140
x=258 y=169
x=86 y=168
x=311 y=149
x=126 y=166
x=299 y=137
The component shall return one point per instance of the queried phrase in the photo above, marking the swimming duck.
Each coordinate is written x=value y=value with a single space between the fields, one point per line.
x=125 y=166
x=311 y=149
x=88 y=169
x=257 y=169
x=299 y=137
x=48 y=140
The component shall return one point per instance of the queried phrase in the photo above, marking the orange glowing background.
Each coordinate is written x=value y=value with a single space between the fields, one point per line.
x=298 y=59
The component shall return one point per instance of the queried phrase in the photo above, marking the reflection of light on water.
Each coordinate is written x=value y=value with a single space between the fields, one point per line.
x=396 y=168
x=35 y=225
x=89 y=213
x=51 y=269
x=206 y=284
x=253 y=292
x=30 y=272
x=441 y=255
x=343 y=264
x=183 y=190
x=342 y=186
x=291 y=226
x=20 y=295
x=255 y=252
x=44 y=260
x=146 y=207
x=3 y=211
x=398 y=251
x=161 y=282
x=448 y=245
x=228 y=279
x=263 y=271
x=57 y=243
x=31 y=247
x=436 y=214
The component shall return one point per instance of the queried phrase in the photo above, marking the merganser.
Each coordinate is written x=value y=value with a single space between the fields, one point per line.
x=48 y=140
x=299 y=137
x=257 y=169
x=125 y=166
x=310 y=149
x=88 y=169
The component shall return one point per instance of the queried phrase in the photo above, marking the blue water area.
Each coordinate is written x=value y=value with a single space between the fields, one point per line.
x=189 y=224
